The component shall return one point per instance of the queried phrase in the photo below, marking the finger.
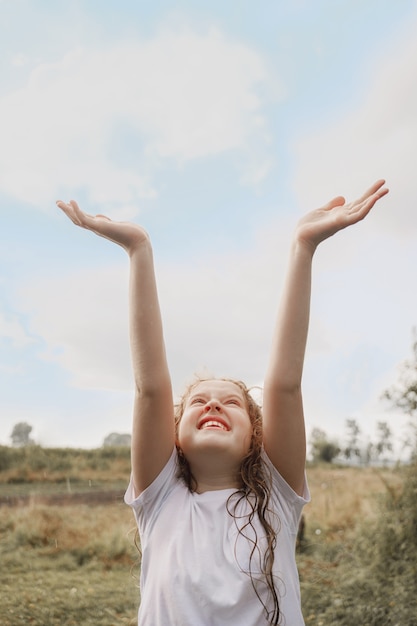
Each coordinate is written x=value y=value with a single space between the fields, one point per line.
x=68 y=206
x=377 y=190
x=78 y=211
x=68 y=209
x=373 y=189
x=73 y=211
x=373 y=194
x=338 y=201
x=359 y=210
x=380 y=193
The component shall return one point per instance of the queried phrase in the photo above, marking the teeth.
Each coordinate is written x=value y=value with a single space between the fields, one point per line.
x=213 y=424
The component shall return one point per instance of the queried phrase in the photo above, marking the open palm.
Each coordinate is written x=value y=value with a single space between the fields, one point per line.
x=125 y=234
x=336 y=215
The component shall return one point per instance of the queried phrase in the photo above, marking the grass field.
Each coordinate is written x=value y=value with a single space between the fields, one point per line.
x=68 y=564
x=65 y=563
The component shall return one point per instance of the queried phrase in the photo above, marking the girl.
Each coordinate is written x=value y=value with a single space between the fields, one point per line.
x=217 y=489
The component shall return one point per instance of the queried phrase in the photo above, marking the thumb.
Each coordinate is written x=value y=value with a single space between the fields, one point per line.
x=338 y=201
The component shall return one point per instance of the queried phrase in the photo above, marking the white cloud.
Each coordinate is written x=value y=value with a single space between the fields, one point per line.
x=218 y=314
x=10 y=370
x=19 y=60
x=377 y=139
x=83 y=319
x=12 y=329
x=364 y=302
x=180 y=96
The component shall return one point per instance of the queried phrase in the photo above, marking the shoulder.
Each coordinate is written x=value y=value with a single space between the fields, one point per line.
x=158 y=489
x=289 y=503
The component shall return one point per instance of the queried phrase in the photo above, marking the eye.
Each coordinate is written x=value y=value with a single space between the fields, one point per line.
x=233 y=401
x=197 y=401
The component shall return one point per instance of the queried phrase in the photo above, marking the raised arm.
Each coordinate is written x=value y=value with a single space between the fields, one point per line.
x=284 y=431
x=153 y=434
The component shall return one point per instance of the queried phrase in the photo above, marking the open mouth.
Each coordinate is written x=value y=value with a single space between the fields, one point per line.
x=213 y=423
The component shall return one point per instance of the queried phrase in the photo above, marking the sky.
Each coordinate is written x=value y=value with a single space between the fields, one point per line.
x=216 y=126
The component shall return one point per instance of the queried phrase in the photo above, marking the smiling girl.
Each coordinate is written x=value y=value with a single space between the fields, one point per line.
x=218 y=487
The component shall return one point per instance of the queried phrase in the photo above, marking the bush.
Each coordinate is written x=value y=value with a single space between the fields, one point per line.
x=393 y=542
x=6 y=458
x=32 y=464
x=372 y=581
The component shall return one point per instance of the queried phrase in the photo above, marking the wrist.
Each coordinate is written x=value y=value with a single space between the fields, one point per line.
x=301 y=247
x=139 y=246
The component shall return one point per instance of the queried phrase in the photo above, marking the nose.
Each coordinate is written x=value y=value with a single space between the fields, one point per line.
x=212 y=405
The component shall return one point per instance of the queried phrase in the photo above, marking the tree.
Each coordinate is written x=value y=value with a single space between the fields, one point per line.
x=384 y=443
x=322 y=449
x=352 y=448
x=117 y=439
x=403 y=393
x=20 y=435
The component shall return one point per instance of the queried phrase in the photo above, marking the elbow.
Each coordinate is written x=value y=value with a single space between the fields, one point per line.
x=152 y=387
x=283 y=386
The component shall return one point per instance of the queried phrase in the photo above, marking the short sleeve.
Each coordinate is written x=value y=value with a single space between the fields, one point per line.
x=154 y=495
x=286 y=499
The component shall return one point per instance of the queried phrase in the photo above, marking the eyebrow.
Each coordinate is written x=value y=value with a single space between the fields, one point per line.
x=229 y=396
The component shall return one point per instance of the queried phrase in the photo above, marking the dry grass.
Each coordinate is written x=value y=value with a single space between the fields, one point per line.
x=68 y=565
x=75 y=564
x=343 y=496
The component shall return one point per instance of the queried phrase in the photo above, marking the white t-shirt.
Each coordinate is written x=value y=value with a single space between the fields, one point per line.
x=194 y=560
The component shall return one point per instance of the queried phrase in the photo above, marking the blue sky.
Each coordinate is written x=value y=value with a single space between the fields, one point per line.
x=215 y=125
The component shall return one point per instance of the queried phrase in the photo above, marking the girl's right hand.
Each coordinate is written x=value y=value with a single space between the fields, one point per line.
x=125 y=234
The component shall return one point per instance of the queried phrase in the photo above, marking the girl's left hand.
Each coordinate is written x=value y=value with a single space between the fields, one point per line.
x=322 y=223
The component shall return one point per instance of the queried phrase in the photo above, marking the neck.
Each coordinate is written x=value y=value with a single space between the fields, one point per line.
x=215 y=483
x=214 y=474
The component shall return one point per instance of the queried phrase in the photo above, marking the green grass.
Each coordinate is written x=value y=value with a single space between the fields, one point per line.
x=367 y=574
x=47 y=592
x=33 y=464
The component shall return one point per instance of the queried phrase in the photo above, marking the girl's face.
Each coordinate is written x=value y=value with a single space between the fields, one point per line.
x=215 y=418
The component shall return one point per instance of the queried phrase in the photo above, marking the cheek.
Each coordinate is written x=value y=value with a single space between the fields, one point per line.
x=183 y=431
x=249 y=434
x=179 y=430
x=247 y=442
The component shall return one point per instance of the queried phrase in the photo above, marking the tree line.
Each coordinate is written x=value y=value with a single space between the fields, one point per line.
x=402 y=395
x=353 y=450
